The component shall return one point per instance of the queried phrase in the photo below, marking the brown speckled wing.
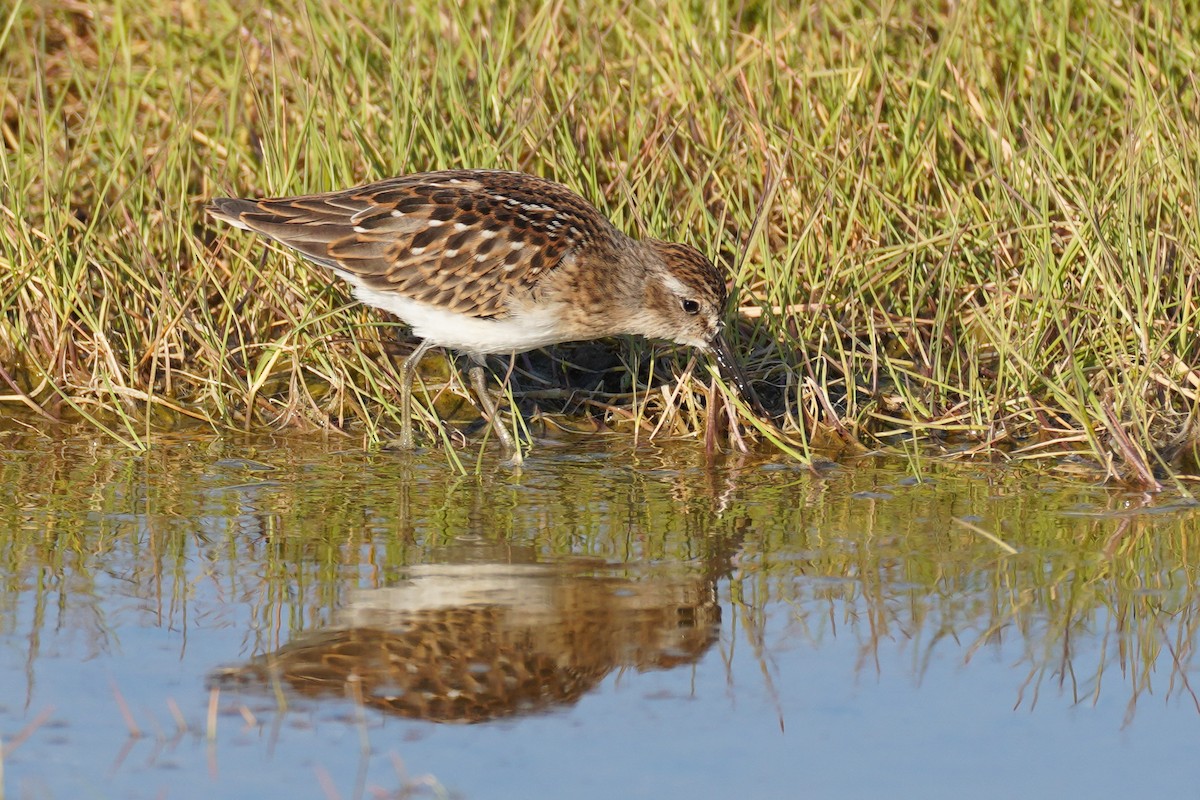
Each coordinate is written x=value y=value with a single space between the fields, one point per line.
x=461 y=240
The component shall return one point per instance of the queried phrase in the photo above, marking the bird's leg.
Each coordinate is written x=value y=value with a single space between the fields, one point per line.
x=408 y=371
x=479 y=384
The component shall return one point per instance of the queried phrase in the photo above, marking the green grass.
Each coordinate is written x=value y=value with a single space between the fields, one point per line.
x=969 y=230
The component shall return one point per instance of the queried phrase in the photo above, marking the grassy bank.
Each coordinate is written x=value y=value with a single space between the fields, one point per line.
x=972 y=229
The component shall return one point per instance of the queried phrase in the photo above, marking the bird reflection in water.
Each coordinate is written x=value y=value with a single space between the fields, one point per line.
x=471 y=642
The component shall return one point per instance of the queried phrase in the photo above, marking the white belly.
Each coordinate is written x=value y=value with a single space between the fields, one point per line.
x=515 y=334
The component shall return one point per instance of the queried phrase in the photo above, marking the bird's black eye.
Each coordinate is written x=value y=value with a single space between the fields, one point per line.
x=691 y=306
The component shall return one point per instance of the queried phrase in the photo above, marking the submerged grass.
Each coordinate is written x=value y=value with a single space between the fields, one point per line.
x=970 y=227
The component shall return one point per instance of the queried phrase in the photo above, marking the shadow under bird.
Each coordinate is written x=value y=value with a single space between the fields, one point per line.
x=490 y=262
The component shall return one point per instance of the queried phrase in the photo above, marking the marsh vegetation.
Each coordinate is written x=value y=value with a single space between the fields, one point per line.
x=967 y=229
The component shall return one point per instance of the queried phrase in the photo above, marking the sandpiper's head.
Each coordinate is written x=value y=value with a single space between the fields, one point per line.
x=688 y=299
x=685 y=297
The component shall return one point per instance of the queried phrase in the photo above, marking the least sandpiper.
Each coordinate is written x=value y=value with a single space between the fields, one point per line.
x=490 y=262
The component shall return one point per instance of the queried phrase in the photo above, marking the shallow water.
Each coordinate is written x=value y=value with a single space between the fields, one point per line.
x=225 y=617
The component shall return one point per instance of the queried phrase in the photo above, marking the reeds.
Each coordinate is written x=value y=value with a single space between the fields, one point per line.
x=970 y=229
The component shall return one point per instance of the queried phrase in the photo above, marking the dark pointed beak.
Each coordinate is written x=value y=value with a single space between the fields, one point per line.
x=731 y=370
